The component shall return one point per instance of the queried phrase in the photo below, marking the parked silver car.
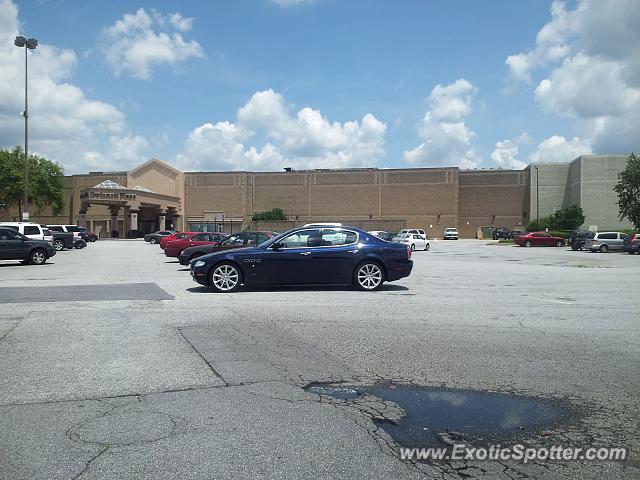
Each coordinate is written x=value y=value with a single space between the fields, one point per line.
x=605 y=241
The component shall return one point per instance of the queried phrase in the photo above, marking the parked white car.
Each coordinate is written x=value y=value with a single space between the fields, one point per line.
x=414 y=240
x=28 y=229
x=414 y=231
x=450 y=233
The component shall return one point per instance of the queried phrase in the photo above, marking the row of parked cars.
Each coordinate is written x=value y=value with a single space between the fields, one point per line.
x=324 y=254
x=34 y=243
x=414 y=238
x=583 y=240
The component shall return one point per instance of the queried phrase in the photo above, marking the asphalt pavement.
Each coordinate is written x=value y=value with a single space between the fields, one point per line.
x=115 y=364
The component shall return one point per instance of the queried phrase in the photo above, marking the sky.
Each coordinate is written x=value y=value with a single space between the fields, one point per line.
x=260 y=85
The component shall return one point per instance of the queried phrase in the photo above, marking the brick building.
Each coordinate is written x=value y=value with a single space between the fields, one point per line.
x=156 y=195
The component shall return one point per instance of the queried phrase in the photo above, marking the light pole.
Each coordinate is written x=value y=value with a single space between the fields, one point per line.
x=29 y=44
x=537 y=197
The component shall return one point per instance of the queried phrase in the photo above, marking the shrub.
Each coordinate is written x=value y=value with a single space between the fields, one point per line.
x=273 y=214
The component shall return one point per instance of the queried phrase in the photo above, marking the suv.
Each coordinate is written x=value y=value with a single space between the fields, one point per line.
x=28 y=229
x=632 y=244
x=450 y=233
x=578 y=239
x=412 y=231
x=502 y=233
x=605 y=241
x=15 y=246
x=79 y=234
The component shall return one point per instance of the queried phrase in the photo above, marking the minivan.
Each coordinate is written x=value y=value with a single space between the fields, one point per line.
x=605 y=241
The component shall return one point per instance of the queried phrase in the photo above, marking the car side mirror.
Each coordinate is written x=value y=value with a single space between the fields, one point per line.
x=278 y=245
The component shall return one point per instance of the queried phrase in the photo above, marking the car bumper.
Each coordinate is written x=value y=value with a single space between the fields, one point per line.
x=199 y=274
x=398 y=270
x=450 y=237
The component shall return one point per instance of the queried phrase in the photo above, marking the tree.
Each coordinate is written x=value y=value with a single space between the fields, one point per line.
x=273 y=214
x=568 y=218
x=46 y=181
x=628 y=190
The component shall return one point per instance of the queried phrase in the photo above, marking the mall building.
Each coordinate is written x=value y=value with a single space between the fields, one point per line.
x=155 y=196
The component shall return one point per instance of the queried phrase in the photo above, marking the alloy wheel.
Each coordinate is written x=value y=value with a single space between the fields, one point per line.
x=369 y=276
x=58 y=245
x=38 y=257
x=225 y=278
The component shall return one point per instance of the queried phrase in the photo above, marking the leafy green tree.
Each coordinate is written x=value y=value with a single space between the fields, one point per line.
x=273 y=214
x=568 y=218
x=46 y=181
x=628 y=190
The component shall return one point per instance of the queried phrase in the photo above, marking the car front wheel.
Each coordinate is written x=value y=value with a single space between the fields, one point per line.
x=37 y=257
x=153 y=241
x=559 y=243
x=225 y=278
x=368 y=276
x=58 y=245
x=426 y=247
x=527 y=243
x=604 y=249
x=413 y=248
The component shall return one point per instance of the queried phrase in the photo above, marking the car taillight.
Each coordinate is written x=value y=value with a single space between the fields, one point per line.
x=409 y=252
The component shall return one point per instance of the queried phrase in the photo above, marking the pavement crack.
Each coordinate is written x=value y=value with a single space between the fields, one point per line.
x=89 y=462
x=203 y=358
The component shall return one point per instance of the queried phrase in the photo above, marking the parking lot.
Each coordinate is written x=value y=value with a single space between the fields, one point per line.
x=115 y=364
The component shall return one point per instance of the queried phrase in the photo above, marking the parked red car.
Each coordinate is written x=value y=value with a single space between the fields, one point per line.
x=174 y=236
x=539 y=239
x=175 y=247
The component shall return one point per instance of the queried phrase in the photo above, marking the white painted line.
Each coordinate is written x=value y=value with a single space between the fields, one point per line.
x=549 y=300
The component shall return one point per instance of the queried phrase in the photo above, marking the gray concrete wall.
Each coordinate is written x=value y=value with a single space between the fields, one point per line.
x=553 y=178
x=599 y=174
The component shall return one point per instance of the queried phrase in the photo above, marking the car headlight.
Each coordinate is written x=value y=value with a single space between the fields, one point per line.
x=199 y=263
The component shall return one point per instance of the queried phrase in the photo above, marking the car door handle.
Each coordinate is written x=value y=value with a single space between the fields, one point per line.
x=353 y=251
x=305 y=253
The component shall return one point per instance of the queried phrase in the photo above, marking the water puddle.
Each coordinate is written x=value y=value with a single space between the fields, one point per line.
x=437 y=417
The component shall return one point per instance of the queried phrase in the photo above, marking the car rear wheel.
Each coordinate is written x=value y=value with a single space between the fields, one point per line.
x=153 y=241
x=413 y=247
x=37 y=257
x=604 y=249
x=426 y=247
x=582 y=245
x=559 y=243
x=58 y=245
x=527 y=243
x=225 y=278
x=368 y=276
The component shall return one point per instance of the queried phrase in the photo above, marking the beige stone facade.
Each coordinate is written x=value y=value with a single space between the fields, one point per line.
x=380 y=199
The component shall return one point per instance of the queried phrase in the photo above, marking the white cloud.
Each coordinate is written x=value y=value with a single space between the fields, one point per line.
x=506 y=155
x=590 y=60
x=446 y=139
x=304 y=140
x=136 y=43
x=64 y=123
x=557 y=149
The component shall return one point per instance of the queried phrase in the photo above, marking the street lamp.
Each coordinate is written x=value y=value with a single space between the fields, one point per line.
x=29 y=44
x=537 y=197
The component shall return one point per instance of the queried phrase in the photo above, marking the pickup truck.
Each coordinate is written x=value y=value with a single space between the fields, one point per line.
x=62 y=240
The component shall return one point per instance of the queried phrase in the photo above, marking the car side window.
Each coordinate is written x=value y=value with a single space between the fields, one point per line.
x=262 y=238
x=31 y=230
x=235 y=240
x=203 y=237
x=9 y=234
x=302 y=238
x=331 y=237
x=56 y=228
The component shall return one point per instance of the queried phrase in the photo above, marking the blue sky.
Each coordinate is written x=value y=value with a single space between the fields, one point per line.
x=324 y=83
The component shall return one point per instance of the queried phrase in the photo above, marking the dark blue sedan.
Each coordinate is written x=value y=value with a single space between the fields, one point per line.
x=310 y=255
